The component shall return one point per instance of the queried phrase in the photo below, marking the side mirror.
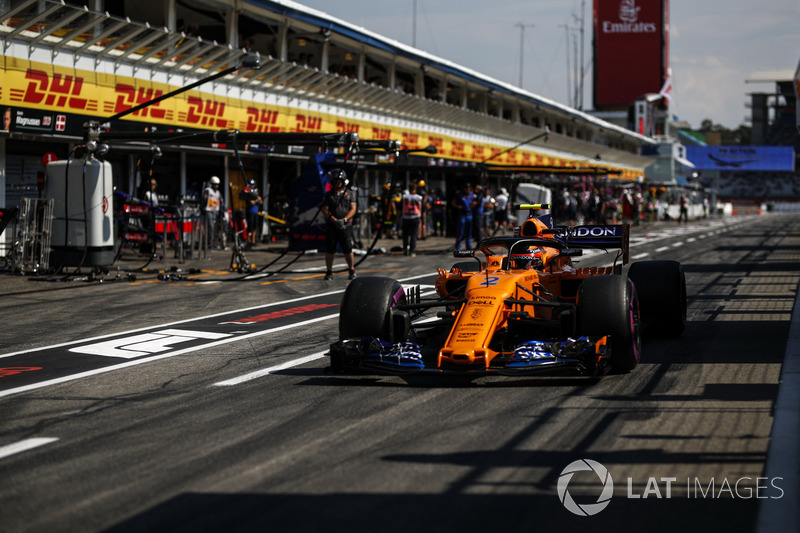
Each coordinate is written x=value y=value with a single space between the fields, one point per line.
x=464 y=253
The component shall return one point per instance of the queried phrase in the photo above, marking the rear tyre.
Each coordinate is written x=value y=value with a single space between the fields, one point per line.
x=369 y=310
x=607 y=305
x=661 y=286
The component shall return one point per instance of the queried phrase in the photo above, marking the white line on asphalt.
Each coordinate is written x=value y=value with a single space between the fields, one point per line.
x=691 y=239
x=89 y=373
x=640 y=256
x=147 y=328
x=335 y=266
x=680 y=243
x=135 y=362
x=270 y=370
x=123 y=333
x=662 y=249
x=24 y=446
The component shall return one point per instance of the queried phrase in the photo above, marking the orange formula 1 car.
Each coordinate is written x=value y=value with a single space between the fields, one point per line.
x=522 y=308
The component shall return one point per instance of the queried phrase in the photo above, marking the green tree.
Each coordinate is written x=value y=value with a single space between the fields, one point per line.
x=739 y=136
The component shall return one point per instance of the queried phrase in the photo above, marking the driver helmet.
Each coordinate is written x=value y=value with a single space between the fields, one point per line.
x=525 y=259
x=214 y=180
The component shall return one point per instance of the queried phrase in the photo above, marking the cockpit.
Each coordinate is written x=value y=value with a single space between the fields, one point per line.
x=530 y=257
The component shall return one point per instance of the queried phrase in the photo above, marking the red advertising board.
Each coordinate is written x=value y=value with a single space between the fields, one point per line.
x=631 y=44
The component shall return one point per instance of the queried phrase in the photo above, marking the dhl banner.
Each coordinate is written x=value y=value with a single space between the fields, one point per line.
x=62 y=92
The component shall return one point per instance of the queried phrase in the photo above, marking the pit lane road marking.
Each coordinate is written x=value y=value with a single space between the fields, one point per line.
x=96 y=371
x=271 y=370
x=157 y=344
x=188 y=320
x=23 y=446
x=145 y=344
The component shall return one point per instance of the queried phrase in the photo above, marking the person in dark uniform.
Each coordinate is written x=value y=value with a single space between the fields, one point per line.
x=252 y=200
x=338 y=207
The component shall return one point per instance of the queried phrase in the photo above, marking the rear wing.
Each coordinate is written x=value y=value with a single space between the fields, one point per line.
x=602 y=237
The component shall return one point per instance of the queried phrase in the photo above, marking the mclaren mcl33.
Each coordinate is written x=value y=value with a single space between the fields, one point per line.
x=517 y=305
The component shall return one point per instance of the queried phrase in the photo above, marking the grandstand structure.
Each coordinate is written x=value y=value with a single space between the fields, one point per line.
x=68 y=63
x=773 y=113
x=773 y=121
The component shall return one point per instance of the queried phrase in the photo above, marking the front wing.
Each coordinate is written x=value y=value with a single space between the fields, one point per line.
x=584 y=355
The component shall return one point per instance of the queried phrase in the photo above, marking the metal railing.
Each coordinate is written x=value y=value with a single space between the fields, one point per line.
x=29 y=248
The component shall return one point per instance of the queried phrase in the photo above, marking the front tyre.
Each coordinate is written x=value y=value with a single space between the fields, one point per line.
x=369 y=309
x=607 y=305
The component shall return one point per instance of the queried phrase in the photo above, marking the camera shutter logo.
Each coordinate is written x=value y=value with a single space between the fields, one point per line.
x=588 y=509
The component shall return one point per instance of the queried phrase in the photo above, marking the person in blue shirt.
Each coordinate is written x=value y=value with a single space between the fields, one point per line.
x=464 y=203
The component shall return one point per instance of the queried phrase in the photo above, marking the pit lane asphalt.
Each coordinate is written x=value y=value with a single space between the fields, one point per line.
x=159 y=446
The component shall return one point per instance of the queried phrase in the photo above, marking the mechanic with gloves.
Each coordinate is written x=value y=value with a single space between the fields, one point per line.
x=338 y=207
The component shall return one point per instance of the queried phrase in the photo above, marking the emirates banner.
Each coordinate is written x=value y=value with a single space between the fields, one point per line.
x=630 y=50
